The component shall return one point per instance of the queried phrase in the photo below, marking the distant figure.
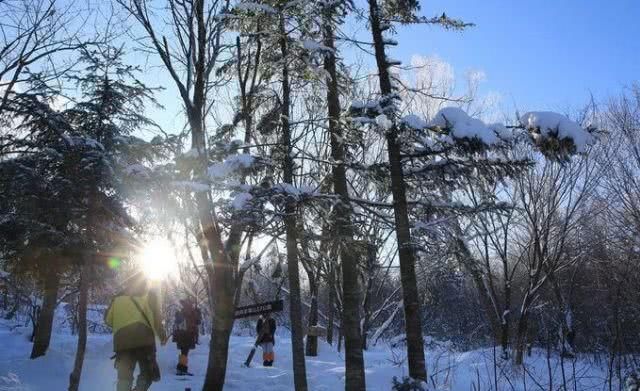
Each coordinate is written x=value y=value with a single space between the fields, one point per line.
x=266 y=329
x=135 y=318
x=185 y=333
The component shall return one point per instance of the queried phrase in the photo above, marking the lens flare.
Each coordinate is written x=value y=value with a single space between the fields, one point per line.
x=157 y=260
x=113 y=263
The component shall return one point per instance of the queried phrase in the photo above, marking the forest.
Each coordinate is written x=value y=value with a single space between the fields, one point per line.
x=239 y=152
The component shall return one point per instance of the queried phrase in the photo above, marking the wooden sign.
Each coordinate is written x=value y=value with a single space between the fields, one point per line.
x=258 y=309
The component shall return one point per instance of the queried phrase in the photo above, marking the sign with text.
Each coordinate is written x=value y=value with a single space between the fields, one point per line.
x=258 y=309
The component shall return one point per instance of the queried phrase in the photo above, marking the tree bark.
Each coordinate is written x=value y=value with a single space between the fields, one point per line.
x=354 y=360
x=332 y=300
x=521 y=337
x=311 y=347
x=413 y=322
x=74 y=378
x=290 y=222
x=42 y=335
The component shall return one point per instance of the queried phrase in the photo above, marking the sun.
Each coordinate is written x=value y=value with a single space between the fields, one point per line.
x=157 y=259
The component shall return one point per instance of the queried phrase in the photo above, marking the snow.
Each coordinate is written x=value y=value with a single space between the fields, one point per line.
x=461 y=125
x=240 y=200
x=384 y=122
x=450 y=370
x=502 y=131
x=362 y=120
x=315 y=46
x=549 y=123
x=393 y=61
x=255 y=7
x=288 y=188
x=230 y=165
x=370 y=104
x=83 y=141
x=136 y=170
x=193 y=153
x=413 y=121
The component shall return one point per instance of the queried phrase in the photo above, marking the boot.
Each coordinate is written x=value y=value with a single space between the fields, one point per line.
x=182 y=368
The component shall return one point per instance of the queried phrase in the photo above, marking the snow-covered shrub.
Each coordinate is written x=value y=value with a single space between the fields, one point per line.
x=408 y=384
x=633 y=382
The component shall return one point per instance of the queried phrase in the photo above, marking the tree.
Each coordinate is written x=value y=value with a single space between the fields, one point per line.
x=332 y=13
x=35 y=35
x=380 y=17
x=190 y=55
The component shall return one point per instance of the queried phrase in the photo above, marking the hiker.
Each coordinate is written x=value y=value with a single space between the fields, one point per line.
x=135 y=318
x=266 y=329
x=185 y=333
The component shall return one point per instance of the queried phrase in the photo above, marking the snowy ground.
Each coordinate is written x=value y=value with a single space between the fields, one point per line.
x=448 y=370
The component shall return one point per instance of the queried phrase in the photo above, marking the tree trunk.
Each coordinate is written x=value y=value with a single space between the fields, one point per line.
x=372 y=253
x=42 y=333
x=332 y=300
x=311 y=348
x=222 y=325
x=413 y=322
x=354 y=360
x=506 y=313
x=521 y=337
x=74 y=378
x=222 y=288
x=220 y=275
x=290 y=222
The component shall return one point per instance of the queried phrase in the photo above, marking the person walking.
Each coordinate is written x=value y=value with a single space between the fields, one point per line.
x=185 y=333
x=266 y=329
x=135 y=318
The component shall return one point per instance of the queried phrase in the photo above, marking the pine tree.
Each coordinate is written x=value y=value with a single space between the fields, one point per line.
x=332 y=14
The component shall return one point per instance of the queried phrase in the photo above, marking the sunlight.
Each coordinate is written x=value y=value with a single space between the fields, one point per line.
x=157 y=259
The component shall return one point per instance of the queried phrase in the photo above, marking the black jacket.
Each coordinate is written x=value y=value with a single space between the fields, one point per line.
x=268 y=336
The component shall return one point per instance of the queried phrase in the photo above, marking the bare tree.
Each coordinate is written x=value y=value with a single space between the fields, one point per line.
x=551 y=197
x=189 y=50
x=34 y=37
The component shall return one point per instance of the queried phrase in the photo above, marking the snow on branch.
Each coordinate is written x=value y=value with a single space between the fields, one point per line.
x=255 y=7
x=83 y=141
x=297 y=192
x=414 y=122
x=230 y=165
x=314 y=46
x=385 y=325
x=137 y=169
x=248 y=263
x=461 y=126
x=241 y=200
x=555 y=132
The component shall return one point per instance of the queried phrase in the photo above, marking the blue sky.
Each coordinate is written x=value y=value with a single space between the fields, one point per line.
x=537 y=54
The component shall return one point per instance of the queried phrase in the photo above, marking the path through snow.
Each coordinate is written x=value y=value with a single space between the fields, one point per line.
x=449 y=371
